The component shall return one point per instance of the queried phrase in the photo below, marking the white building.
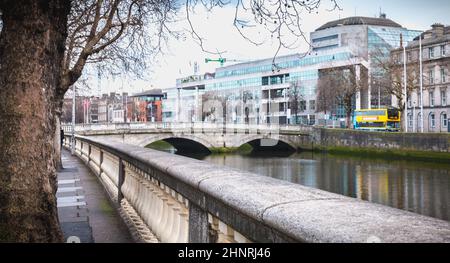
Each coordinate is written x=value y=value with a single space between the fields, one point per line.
x=265 y=92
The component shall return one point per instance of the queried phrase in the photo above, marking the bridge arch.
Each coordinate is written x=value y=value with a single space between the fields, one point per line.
x=183 y=143
x=261 y=142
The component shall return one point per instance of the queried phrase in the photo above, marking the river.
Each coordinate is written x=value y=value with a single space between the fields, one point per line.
x=419 y=187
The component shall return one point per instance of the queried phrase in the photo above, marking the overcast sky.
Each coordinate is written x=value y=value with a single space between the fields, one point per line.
x=217 y=28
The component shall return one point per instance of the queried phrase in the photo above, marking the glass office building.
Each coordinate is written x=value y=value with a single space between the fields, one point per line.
x=255 y=92
x=284 y=90
x=371 y=39
x=381 y=41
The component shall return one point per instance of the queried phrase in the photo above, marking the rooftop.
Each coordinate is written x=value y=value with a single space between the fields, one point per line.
x=431 y=33
x=360 y=20
x=152 y=92
x=437 y=34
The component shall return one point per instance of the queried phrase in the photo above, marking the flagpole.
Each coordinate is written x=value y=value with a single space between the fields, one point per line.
x=421 y=83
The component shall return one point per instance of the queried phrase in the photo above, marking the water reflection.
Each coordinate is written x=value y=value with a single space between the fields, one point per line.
x=418 y=187
x=412 y=186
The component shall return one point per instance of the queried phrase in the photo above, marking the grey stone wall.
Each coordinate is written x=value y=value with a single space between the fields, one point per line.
x=426 y=142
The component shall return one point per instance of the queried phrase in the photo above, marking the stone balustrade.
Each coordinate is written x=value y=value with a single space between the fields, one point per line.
x=183 y=127
x=177 y=199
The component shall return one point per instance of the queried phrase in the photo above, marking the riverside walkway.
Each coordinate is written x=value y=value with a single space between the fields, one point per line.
x=85 y=213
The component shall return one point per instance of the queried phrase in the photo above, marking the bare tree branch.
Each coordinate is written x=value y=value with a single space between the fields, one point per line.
x=281 y=19
x=389 y=77
x=124 y=35
x=121 y=35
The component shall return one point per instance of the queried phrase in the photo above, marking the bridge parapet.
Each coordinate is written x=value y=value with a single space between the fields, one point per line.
x=189 y=126
x=184 y=200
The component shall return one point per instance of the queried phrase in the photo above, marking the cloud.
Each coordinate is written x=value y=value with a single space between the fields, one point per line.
x=219 y=33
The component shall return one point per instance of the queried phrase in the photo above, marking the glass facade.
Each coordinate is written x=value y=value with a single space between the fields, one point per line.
x=243 y=84
x=387 y=38
x=380 y=41
x=295 y=63
x=259 y=84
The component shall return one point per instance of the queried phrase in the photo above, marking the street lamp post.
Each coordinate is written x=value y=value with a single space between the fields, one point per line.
x=405 y=89
x=421 y=83
x=414 y=118
x=379 y=97
x=269 y=113
x=151 y=112
x=369 y=88
x=126 y=107
x=72 y=146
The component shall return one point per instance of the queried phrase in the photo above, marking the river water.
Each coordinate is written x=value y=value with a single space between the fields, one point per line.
x=418 y=187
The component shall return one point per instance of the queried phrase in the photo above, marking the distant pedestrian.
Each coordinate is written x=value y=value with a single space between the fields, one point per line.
x=62 y=137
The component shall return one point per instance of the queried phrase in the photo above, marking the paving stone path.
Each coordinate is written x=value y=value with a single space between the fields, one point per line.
x=85 y=213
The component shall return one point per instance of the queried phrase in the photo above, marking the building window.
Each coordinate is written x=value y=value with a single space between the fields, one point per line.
x=325 y=48
x=321 y=39
x=419 y=122
x=432 y=120
x=443 y=75
x=443 y=98
x=431 y=94
x=312 y=105
x=410 y=103
x=312 y=120
x=396 y=60
x=410 y=120
x=431 y=52
x=443 y=53
x=431 y=76
x=444 y=120
x=302 y=105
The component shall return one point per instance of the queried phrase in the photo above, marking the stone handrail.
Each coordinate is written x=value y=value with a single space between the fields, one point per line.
x=184 y=200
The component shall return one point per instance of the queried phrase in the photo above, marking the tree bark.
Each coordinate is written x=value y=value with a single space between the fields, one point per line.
x=31 y=52
x=348 y=120
x=57 y=143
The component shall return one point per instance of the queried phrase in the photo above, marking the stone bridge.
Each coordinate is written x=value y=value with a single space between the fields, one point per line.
x=204 y=137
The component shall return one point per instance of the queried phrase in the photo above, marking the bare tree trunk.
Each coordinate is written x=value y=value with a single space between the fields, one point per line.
x=57 y=143
x=31 y=51
x=348 y=119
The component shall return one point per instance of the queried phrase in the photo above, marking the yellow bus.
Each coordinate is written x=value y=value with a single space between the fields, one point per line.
x=377 y=120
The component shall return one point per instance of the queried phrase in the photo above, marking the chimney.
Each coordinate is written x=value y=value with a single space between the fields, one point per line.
x=428 y=34
x=383 y=15
x=438 y=29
